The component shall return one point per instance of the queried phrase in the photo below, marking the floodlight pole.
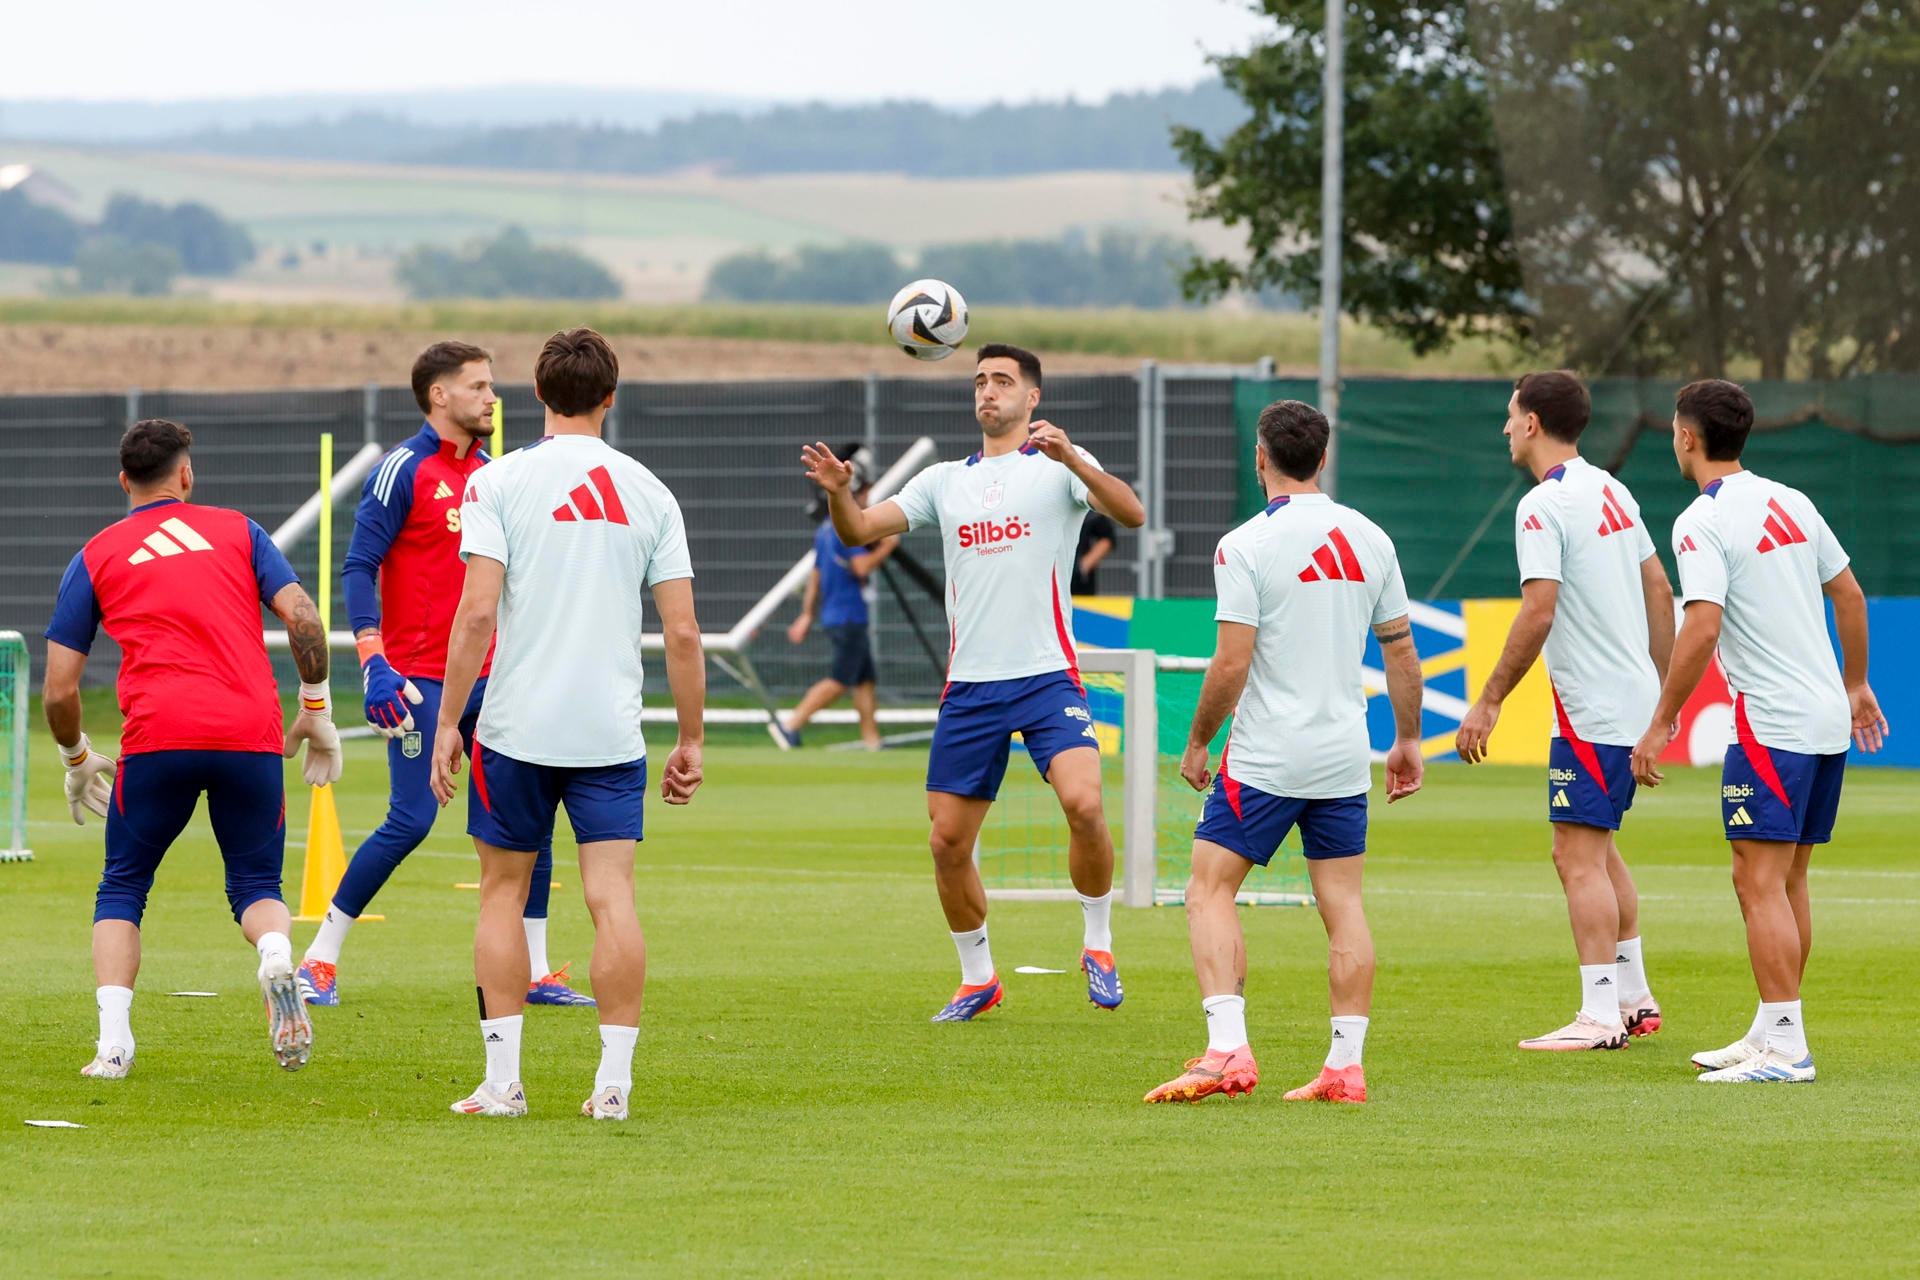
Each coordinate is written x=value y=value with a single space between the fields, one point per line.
x=1333 y=91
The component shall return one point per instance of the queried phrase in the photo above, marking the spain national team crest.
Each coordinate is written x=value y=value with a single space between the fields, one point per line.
x=410 y=744
x=995 y=494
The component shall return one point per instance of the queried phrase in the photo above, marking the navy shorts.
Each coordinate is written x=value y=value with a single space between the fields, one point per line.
x=852 y=654
x=1767 y=794
x=1253 y=824
x=154 y=796
x=511 y=804
x=1589 y=783
x=974 y=734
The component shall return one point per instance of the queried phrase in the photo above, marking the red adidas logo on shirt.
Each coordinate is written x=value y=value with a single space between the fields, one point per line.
x=1781 y=530
x=1687 y=544
x=581 y=506
x=1533 y=525
x=1334 y=561
x=1613 y=516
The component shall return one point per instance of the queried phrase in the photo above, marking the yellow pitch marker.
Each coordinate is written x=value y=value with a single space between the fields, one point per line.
x=326 y=858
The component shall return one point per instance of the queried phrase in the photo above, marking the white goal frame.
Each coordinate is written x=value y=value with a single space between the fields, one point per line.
x=15 y=849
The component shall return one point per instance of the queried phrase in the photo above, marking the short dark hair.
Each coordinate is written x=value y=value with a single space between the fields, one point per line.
x=150 y=448
x=1560 y=399
x=1723 y=412
x=439 y=360
x=576 y=372
x=1294 y=435
x=1029 y=363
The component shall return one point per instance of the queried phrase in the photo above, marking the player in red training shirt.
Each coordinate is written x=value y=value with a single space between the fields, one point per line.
x=179 y=588
x=402 y=580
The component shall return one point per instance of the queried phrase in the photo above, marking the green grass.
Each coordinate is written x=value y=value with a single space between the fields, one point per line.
x=1195 y=336
x=796 y=1113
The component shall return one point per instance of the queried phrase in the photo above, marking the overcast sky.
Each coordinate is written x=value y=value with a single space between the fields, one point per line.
x=986 y=50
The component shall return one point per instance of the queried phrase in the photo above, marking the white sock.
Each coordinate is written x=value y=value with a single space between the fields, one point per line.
x=1786 y=1031
x=1599 y=993
x=1757 y=1032
x=537 y=945
x=1632 y=975
x=116 y=1018
x=326 y=944
x=502 y=1039
x=1097 y=913
x=616 y=1058
x=275 y=946
x=1349 y=1038
x=1226 y=1023
x=976 y=957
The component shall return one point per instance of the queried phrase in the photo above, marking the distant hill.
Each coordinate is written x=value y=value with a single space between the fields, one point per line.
x=1127 y=132
x=455 y=110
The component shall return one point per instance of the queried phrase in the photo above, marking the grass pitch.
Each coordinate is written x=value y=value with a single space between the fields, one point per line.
x=795 y=1113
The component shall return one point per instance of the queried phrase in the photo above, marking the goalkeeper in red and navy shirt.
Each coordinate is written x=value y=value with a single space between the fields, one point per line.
x=402 y=579
x=179 y=587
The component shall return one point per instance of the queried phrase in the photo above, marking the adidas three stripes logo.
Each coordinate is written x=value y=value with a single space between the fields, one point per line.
x=158 y=544
x=580 y=504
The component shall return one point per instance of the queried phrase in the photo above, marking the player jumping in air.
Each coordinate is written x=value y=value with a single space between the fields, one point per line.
x=402 y=580
x=1594 y=595
x=179 y=589
x=1755 y=558
x=1299 y=586
x=560 y=539
x=1009 y=518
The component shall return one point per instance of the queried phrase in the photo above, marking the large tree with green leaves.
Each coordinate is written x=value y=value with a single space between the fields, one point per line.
x=1642 y=186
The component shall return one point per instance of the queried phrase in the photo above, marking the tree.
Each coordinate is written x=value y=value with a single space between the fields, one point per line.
x=31 y=232
x=1644 y=186
x=108 y=264
x=208 y=244
x=509 y=266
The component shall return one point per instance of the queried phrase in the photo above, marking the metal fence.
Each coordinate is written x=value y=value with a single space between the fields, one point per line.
x=728 y=450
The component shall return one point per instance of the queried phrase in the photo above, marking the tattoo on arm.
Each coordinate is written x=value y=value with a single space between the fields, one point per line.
x=307 y=640
x=1393 y=637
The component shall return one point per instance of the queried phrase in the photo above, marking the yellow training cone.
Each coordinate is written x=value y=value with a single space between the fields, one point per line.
x=326 y=858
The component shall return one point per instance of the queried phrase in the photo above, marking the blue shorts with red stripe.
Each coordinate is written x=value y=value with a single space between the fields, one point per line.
x=974 y=734
x=1253 y=824
x=1768 y=794
x=1589 y=783
x=154 y=796
x=511 y=803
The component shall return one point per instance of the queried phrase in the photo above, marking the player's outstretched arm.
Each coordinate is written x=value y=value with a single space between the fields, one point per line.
x=809 y=601
x=89 y=780
x=1850 y=622
x=1539 y=599
x=857 y=526
x=1108 y=494
x=1659 y=594
x=473 y=623
x=1692 y=652
x=1406 y=766
x=1220 y=692
x=313 y=722
x=687 y=678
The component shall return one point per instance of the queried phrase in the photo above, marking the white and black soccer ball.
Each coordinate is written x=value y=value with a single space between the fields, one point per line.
x=928 y=319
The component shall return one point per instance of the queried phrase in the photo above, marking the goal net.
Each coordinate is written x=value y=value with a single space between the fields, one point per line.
x=1142 y=704
x=14 y=668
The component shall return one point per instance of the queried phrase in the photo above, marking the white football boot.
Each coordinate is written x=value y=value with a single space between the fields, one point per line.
x=288 y=1026
x=1769 y=1066
x=486 y=1101
x=109 y=1064
x=1731 y=1056
x=608 y=1104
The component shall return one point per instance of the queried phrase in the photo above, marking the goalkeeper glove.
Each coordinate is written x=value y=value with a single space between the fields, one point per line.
x=314 y=726
x=89 y=779
x=388 y=693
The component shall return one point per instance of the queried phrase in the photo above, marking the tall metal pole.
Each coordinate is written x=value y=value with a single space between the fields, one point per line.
x=1333 y=91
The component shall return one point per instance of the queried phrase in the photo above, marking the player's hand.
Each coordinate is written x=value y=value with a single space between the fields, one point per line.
x=448 y=746
x=388 y=693
x=1051 y=441
x=89 y=780
x=824 y=469
x=683 y=776
x=1193 y=767
x=1406 y=768
x=1647 y=753
x=314 y=726
x=1869 y=725
x=1475 y=728
x=798 y=631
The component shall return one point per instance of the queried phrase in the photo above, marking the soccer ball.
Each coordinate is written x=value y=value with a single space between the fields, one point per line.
x=928 y=319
